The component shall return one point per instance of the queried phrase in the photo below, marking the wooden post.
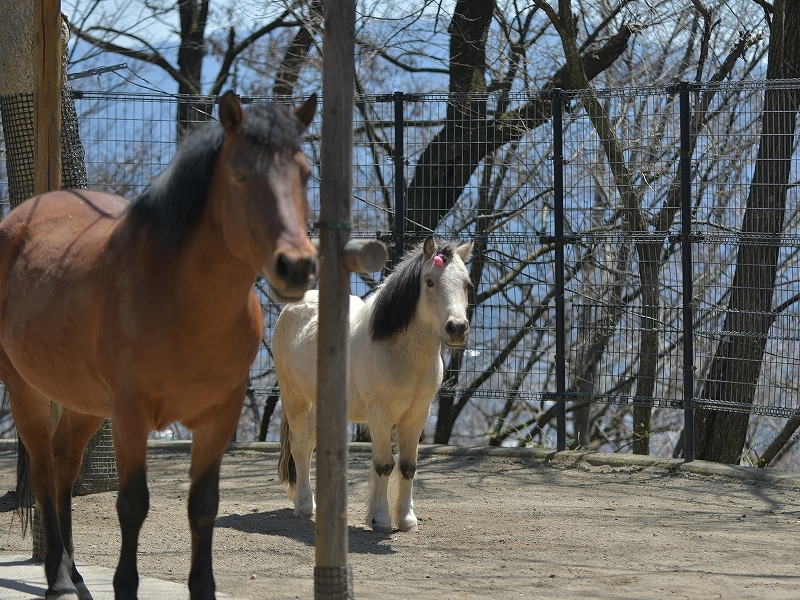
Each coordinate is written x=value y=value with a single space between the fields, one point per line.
x=46 y=95
x=332 y=574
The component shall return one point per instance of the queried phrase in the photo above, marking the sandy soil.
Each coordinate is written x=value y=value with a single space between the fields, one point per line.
x=490 y=527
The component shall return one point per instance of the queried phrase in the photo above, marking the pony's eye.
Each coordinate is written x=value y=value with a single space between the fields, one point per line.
x=240 y=176
x=429 y=282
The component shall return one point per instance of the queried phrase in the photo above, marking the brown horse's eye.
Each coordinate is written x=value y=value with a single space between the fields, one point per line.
x=240 y=176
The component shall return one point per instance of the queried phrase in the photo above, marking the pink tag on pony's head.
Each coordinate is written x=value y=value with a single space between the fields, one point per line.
x=438 y=261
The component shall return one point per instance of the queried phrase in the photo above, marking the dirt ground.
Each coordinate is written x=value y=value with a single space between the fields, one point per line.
x=490 y=527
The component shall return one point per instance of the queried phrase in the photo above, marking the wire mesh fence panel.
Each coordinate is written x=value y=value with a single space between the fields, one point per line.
x=478 y=169
x=746 y=219
x=622 y=287
x=481 y=168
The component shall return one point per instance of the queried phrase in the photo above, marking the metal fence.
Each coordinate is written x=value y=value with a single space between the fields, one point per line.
x=601 y=284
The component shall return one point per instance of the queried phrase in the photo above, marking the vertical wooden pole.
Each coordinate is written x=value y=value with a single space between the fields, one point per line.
x=46 y=95
x=332 y=575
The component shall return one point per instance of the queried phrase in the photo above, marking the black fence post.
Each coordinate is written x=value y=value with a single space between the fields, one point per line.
x=399 y=177
x=558 y=209
x=687 y=276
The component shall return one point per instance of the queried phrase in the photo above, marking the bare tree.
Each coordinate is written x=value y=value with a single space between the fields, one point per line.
x=736 y=366
x=186 y=69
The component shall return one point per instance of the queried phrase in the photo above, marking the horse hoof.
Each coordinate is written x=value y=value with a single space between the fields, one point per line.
x=62 y=596
x=377 y=528
x=408 y=526
x=304 y=514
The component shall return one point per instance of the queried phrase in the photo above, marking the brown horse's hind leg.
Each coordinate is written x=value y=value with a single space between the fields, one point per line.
x=209 y=440
x=73 y=433
x=31 y=411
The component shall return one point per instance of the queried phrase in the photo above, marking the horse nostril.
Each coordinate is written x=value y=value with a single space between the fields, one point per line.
x=284 y=266
x=457 y=328
x=296 y=271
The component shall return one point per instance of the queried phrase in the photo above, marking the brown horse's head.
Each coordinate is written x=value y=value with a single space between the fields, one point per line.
x=264 y=174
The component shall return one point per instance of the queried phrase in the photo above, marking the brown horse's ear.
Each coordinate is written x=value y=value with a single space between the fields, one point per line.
x=428 y=248
x=230 y=112
x=305 y=112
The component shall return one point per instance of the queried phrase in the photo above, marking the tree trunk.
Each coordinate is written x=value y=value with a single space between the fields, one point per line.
x=16 y=106
x=448 y=162
x=735 y=368
x=295 y=57
x=193 y=16
x=98 y=471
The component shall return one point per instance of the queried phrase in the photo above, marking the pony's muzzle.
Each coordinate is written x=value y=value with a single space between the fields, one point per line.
x=456 y=330
x=294 y=275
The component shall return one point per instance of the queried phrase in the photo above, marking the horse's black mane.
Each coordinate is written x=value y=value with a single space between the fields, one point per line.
x=174 y=201
x=396 y=300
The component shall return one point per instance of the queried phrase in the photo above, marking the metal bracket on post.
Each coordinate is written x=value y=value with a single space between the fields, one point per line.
x=333 y=583
x=361 y=255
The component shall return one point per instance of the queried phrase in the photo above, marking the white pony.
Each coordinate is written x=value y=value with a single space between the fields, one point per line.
x=395 y=371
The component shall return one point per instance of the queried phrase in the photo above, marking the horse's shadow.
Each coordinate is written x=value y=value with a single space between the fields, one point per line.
x=283 y=522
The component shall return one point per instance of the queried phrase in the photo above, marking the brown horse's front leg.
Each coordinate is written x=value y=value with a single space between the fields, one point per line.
x=203 y=506
x=133 y=500
x=210 y=438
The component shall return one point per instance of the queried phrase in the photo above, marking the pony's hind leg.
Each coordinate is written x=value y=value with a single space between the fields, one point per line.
x=408 y=432
x=32 y=418
x=380 y=428
x=302 y=439
x=210 y=438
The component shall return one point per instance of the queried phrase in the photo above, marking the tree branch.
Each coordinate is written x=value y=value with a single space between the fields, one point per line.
x=153 y=58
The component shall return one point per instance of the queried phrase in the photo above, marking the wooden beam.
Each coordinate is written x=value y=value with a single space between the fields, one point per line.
x=332 y=575
x=46 y=95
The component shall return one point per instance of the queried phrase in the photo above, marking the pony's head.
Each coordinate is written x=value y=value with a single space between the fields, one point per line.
x=431 y=283
x=264 y=174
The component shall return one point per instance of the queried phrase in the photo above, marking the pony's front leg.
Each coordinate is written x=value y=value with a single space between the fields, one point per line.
x=210 y=438
x=408 y=432
x=133 y=499
x=380 y=428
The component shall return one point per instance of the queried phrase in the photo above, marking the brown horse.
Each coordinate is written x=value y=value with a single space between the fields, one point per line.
x=145 y=312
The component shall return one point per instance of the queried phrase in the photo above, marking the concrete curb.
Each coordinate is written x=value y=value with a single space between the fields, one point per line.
x=566 y=459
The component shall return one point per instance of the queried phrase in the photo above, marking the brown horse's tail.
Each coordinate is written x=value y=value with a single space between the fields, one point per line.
x=287 y=473
x=23 y=497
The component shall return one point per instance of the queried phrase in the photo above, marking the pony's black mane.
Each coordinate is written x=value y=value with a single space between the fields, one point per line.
x=396 y=300
x=173 y=203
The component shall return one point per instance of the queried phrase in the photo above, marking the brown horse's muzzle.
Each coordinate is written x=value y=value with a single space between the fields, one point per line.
x=293 y=275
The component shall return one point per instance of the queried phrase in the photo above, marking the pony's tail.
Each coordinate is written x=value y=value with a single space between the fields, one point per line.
x=287 y=473
x=23 y=497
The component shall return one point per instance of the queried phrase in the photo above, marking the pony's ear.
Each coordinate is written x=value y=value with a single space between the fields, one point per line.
x=305 y=112
x=230 y=112
x=464 y=251
x=428 y=247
